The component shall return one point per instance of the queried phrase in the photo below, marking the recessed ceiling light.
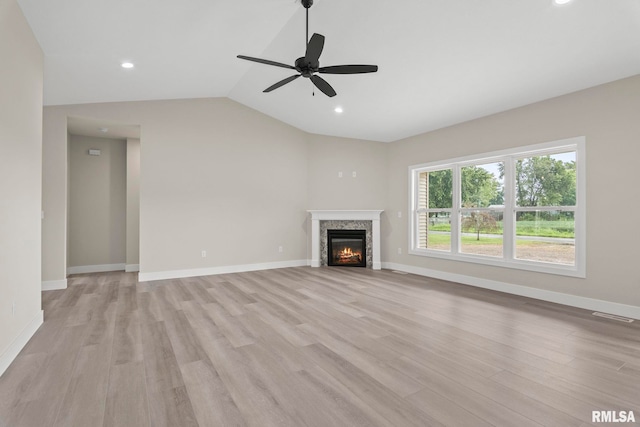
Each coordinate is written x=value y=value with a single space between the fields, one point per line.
x=561 y=2
x=338 y=110
x=127 y=65
x=103 y=129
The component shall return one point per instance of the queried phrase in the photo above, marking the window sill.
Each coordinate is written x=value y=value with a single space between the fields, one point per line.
x=539 y=267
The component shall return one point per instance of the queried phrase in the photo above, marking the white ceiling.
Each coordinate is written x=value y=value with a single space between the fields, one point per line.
x=441 y=62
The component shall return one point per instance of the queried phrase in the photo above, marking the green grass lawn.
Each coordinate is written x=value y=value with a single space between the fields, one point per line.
x=545 y=228
x=561 y=229
x=445 y=240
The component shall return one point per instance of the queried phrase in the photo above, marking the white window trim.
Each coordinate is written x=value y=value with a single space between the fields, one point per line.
x=577 y=144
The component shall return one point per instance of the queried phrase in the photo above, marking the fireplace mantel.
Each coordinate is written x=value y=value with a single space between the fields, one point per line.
x=345 y=215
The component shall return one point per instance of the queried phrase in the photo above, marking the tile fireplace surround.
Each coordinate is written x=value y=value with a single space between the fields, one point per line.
x=346 y=215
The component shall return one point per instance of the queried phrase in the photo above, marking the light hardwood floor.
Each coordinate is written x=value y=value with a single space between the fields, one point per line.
x=314 y=347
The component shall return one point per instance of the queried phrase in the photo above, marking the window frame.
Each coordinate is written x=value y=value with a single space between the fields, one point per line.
x=509 y=157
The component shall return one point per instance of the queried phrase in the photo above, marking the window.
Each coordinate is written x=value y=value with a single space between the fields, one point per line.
x=519 y=208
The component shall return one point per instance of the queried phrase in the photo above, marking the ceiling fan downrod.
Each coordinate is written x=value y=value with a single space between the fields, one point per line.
x=307 y=4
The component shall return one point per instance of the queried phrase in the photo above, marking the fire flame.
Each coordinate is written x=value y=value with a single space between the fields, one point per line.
x=347 y=255
x=346 y=252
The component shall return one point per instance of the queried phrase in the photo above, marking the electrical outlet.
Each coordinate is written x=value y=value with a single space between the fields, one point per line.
x=399 y=251
x=204 y=254
x=280 y=249
x=353 y=174
x=399 y=214
x=339 y=174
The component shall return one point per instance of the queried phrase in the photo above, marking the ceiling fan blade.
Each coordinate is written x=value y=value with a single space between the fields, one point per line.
x=314 y=49
x=323 y=86
x=282 y=83
x=266 y=61
x=348 y=69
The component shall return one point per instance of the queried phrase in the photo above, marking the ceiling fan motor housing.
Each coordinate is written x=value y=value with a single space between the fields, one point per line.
x=305 y=68
x=307 y=3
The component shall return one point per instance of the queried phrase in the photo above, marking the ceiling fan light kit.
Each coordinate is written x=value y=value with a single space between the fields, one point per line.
x=308 y=65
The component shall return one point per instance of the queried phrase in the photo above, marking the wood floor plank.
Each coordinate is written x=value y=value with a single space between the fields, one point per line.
x=288 y=331
x=149 y=309
x=161 y=366
x=377 y=369
x=233 y=307
x=186 y=347
x=505 y=335
x=83 y=404
x=489 y=410
x=446 y=411
x=278 y=307
x=15 y=382
x=171 y=407
x=340 y=398
x=588 y=390
x=290 y=354
x=467 y=388
x=496 y=354
x=198 y=287
x=127 y=400
x=127 y=346
x=423 y=350
x=379 y=398
x=294 y=396
x=212 y=403
x=255 y=401
x=44 y=397
x=230 y=327
x=571 y=405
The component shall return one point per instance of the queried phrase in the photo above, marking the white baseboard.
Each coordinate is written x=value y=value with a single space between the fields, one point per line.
x=21 y=340
x=132 y=268
x=95 y=268
x=624 y=310
x=178 y=274
x=52 y=285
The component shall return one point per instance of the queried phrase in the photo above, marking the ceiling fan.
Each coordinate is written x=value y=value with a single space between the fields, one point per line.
x=308 y=65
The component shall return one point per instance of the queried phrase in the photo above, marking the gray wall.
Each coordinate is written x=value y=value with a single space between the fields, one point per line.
x=330 y=155
x=133 y=204
x=607 y=116
x=20 y=180
x=98 y=201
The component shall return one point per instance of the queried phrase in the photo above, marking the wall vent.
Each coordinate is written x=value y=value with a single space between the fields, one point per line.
x=613 y=317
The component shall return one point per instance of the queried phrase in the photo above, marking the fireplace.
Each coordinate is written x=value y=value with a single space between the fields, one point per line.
x=347 y=248
x=323 y=220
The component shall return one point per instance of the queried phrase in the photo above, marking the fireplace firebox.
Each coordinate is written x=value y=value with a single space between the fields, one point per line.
x=347 y=248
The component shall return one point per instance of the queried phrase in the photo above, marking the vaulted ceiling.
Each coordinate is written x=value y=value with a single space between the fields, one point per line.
x=440 y=62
